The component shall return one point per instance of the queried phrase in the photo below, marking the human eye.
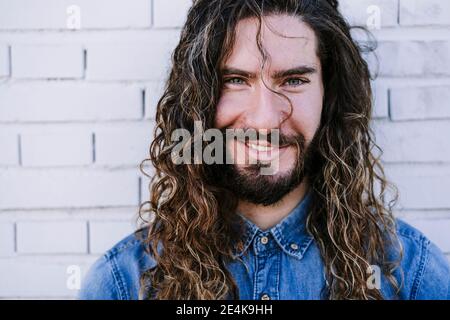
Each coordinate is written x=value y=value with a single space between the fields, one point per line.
x=234 y=81
x=295 y=82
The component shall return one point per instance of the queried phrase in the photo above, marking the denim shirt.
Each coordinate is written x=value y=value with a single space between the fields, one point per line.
x=283 y=262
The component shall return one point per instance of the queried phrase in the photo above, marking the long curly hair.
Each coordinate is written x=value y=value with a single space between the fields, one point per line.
x=192 y=234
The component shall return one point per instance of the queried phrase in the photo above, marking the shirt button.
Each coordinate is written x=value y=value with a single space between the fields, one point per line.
x=294 y=246
x=265 y=297
x=264 y=240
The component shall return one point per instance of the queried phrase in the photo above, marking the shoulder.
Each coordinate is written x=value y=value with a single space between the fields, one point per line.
x=426 y=270
x=116 y=274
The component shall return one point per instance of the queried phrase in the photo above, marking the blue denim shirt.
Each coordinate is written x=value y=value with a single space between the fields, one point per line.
x=283 y=262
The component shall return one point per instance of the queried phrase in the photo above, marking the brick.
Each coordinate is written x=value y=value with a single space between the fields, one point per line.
x=410 y=103
x=132 y=61
x=413 y=58
x=170 y=14
x=47 y=61
x=51 y=237
x=56 y=149
x=67 y=188
x=153 y=93
x=6 y=239
x=380 y=101
x=126 y=62
x=123 y=145
x=69 y=102
x=414 y=141
x=56 y=14
x=424 y=12
x=104 y=234
x=9 y=149
x=437 y=230
x=40 y=276
x=421 y=186
x=4 y=61
x=360 y=12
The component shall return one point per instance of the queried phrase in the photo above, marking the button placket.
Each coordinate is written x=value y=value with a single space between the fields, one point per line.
x=266 y=270
x=262 y=244
x=264 y=240
x=265 y=297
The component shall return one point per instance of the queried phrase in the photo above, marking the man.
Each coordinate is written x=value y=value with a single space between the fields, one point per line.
x=319 y=226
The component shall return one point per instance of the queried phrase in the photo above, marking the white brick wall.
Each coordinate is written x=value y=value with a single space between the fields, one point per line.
x=130 y=61
x=170 y=14
x=10 y=149
x=55 y=14
x=46 y=237
x=424 y=12
x=7 y=240
x=420 y=103
x=115 y=148
x=4 y=61
x=57 y=149
x=380 y=98
x=414 y=58
x=68 y=102
x=358 y=11
x=153 y=93
x=57 y=188
x=415 y=141
x=77 y=109
x=56 y=61
x=40 y=276
x=422 y=186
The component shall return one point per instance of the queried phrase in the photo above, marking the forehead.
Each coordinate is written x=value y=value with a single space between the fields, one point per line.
x=287 y=40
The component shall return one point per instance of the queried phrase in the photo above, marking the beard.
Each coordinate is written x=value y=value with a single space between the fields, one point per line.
x=248 y=184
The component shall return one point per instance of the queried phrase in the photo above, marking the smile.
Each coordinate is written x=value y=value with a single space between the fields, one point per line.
x=260 y=146
x=263 y=150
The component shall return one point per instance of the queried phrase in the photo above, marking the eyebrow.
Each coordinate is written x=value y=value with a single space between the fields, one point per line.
x=299 y=70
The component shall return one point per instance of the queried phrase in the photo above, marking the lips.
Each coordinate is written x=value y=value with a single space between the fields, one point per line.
x=260 y=146
x=260 y=150
x=263 y=146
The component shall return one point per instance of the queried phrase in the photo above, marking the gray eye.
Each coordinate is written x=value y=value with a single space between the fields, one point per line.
x=235 y=81
x=294 y=82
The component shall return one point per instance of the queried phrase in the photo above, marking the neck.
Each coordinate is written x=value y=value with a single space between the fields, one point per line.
x=265 y=217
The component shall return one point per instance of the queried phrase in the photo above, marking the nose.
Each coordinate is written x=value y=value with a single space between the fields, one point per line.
x=267 y=109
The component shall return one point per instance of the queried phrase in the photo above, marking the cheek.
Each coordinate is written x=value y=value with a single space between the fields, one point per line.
x=227 y=111
x=306 y=115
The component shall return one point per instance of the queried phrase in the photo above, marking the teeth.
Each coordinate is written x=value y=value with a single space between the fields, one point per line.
x=260 y=148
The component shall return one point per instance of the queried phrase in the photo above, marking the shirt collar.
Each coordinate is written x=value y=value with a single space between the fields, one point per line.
x=290 y=233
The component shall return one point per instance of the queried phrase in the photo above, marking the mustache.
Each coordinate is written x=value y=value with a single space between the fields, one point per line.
x=273 y=137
